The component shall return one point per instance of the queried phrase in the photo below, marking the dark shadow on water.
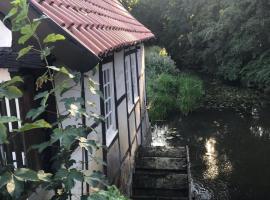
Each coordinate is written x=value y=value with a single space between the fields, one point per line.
x=229 y=149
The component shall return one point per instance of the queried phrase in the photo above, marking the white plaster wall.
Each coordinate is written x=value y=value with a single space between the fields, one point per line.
x=132 y=126
x=113 y=160
x=4 y=75
x=5 y=36
x=5 y=41
x=123 y=128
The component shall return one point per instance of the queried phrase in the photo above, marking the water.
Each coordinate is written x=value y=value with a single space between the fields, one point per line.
x=229 y=151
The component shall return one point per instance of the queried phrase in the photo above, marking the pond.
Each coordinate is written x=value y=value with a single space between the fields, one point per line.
x=229 y=151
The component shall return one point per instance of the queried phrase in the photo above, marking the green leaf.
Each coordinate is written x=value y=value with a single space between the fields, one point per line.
x=41 y=95
x=35 y=113
x=11 y=13
x=53 y=38
x=96 y=178
x=3 y=134
x=46 y=52
x=11 y=186
x=41 y=147
x=24 y=51
x=28 y=31
x=4 y=179
x=44 y=176
x=35 y=125
x=63 y=70
x=25 y=174
x=14 y=80
x=11 y=92
x=6 y=119
x=14 y=187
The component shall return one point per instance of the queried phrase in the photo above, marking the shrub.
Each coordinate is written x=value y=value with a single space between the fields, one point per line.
x=190 y=93
x=157 y=62
x=167 y=90
x=161 y=96
x=169 y=94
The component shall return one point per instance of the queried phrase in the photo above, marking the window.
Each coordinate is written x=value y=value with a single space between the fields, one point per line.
x=128 y=81
x=134 y=75
x=109 y=109
x=131 y=79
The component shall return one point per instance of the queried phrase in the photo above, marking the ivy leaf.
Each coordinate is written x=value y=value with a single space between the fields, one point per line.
x=4 y=179
x=35 y=112
x=6 y=119
x=3 y=134
x=35 y=125
x=24 y=51
x=53 y=38
x=41 y=147
x=25 y=174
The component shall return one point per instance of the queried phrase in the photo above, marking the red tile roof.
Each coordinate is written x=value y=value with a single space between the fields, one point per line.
x=100 y=25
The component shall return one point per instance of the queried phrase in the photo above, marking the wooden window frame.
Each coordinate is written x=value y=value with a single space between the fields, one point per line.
x=109 y=103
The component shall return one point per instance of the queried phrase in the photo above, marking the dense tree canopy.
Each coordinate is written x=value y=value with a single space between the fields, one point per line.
x=229 y=38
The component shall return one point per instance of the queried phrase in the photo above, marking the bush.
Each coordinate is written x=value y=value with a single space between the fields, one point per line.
x=157 y=62
x=169 y=94
x=167 y=90
x=161 y=93
x=190 y=93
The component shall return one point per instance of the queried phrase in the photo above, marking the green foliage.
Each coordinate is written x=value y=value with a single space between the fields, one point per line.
x=161 y=96
x=168 y=91
x=190 y=93
x=111 y=194
x=158 y=61
x=170 y=94
x=227 y=38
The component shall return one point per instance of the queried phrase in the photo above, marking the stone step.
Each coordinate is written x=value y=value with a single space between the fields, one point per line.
x=161 y=163
x=157 y=198
x=179 y=152
x=160 y=193
x=171 y=181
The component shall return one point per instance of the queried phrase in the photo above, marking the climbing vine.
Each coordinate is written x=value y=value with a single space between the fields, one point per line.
x=20 y=183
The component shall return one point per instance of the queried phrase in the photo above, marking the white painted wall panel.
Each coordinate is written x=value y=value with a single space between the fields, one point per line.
x=123 y=128
x=113 y=161
x=132 y=126
x=138 y=116
x=5 y=36
x=119 y=73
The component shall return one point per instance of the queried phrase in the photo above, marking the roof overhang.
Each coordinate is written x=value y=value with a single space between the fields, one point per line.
x=69 y=53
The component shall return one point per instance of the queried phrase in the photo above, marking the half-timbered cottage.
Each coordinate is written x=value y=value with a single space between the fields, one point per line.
x=98 y=32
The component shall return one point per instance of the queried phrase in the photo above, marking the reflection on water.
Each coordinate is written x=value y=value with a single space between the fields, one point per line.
x=210 y=158
x=229 y=152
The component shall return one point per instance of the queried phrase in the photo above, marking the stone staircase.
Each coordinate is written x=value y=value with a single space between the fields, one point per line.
x=161 y=174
